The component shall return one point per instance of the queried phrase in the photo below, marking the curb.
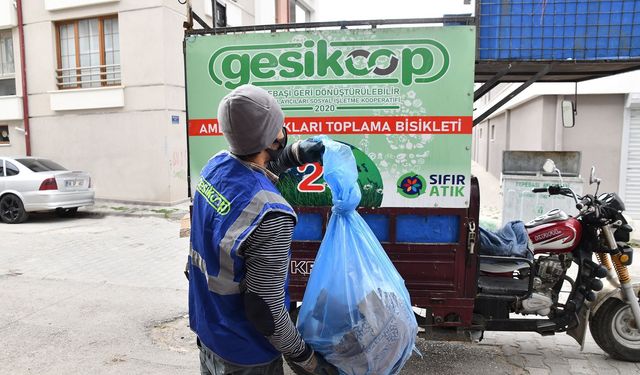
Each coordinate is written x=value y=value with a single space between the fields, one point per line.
x=173 y=213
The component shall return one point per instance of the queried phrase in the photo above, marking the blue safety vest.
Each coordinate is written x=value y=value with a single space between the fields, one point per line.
x=230 y=201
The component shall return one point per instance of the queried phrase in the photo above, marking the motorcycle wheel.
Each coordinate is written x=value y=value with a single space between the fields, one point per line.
x=615 y=330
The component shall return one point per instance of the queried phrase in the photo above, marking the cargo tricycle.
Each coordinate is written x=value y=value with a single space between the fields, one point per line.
x=402 y=99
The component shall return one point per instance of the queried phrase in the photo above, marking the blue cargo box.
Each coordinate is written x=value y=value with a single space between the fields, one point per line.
x=531 y=30
x=415 y=229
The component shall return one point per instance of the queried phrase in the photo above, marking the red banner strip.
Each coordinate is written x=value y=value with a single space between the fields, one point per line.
x=356 y=125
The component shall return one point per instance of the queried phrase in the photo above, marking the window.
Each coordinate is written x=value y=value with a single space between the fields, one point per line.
x=88 y=53
x=7 y=68
x=11 y=169
x=493 y=133
x=298 y=12
x=4 y=135
x=41 y=165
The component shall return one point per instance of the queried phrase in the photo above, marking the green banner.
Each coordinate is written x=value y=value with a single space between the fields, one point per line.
x=401 y=98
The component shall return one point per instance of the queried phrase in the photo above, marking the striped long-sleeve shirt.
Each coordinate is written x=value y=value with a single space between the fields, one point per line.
x=266 y=254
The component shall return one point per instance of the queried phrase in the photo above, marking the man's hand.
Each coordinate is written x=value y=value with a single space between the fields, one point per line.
x=297 y=154
x=316 y=365
x=308 y=151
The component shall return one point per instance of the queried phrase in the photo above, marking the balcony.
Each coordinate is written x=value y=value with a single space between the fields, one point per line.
x=91 y=87
x=8 y=14
x=53 y=5
x=10 y=108
x=94 y=98
x=88 y=77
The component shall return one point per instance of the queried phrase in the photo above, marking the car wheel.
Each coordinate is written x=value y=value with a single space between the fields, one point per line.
x=12 y=210
x=67 y=212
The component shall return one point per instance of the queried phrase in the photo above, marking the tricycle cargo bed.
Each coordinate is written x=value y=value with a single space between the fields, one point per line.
x=430 y=247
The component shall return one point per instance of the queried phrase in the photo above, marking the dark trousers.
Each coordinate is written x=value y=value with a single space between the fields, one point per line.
x=211 y=364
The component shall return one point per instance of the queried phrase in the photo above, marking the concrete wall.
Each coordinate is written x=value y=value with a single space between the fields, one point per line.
x=16 y=137
x=598 y=135
x=134 y=152
x=481 y=138
x=537 y=126
x=265 y=12
x=549 y=122
x=525 y=126
x=517 y=129
x=498 y=144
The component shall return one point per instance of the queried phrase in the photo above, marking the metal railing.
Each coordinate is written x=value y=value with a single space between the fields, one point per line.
x=88 y=76
x=460 y=20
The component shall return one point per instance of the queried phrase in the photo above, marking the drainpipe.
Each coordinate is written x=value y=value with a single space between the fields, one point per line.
x=23 y=76
x=282 y=11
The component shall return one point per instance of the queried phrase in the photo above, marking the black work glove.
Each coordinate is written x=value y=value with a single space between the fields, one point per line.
x=308 y=151
x=316 y=365
x=297 y=154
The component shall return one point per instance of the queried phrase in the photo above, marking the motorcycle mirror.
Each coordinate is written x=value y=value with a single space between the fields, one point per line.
x=568 y=114
x=594 y=180
x=549 y=166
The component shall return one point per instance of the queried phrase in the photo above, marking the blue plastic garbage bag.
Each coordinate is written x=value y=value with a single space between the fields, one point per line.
x=356 y=309
x=511 y=240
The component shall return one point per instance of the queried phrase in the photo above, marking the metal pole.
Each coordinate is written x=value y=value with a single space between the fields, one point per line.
x=515 y=92
x=199 y=20
x=493 y=82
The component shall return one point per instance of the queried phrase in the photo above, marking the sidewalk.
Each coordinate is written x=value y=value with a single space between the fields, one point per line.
x=175 y=212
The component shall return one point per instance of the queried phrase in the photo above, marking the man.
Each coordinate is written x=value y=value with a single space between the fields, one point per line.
x=241 y=237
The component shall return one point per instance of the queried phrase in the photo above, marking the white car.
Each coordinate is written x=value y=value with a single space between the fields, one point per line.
x=29 y=184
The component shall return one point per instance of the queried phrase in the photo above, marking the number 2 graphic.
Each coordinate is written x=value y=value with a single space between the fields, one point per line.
x=309 y=183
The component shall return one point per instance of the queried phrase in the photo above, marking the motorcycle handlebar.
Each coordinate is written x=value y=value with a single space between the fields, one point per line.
x=559 y=190
x=552 y=190
x=585 y=201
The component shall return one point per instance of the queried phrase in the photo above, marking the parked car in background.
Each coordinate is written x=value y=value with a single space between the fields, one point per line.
x=29 y=184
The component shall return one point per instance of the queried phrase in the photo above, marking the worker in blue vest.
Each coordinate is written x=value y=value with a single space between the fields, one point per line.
x=240 y=245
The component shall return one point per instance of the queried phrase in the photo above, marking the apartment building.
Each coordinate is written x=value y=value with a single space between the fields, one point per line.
x=105 y=86
x=606 y=131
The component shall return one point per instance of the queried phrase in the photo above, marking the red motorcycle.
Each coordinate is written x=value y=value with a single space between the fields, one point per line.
x=558 y=241
x=459 y=293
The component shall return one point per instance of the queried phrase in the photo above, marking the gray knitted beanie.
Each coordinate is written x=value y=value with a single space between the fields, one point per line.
x=250 y=119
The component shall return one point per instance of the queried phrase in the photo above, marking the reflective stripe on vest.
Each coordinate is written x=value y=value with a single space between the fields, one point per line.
x=224 y=283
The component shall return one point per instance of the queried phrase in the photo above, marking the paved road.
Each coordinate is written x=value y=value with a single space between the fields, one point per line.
x=106 y=295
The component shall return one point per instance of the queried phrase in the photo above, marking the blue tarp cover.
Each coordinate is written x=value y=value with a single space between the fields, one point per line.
x=511 y=240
